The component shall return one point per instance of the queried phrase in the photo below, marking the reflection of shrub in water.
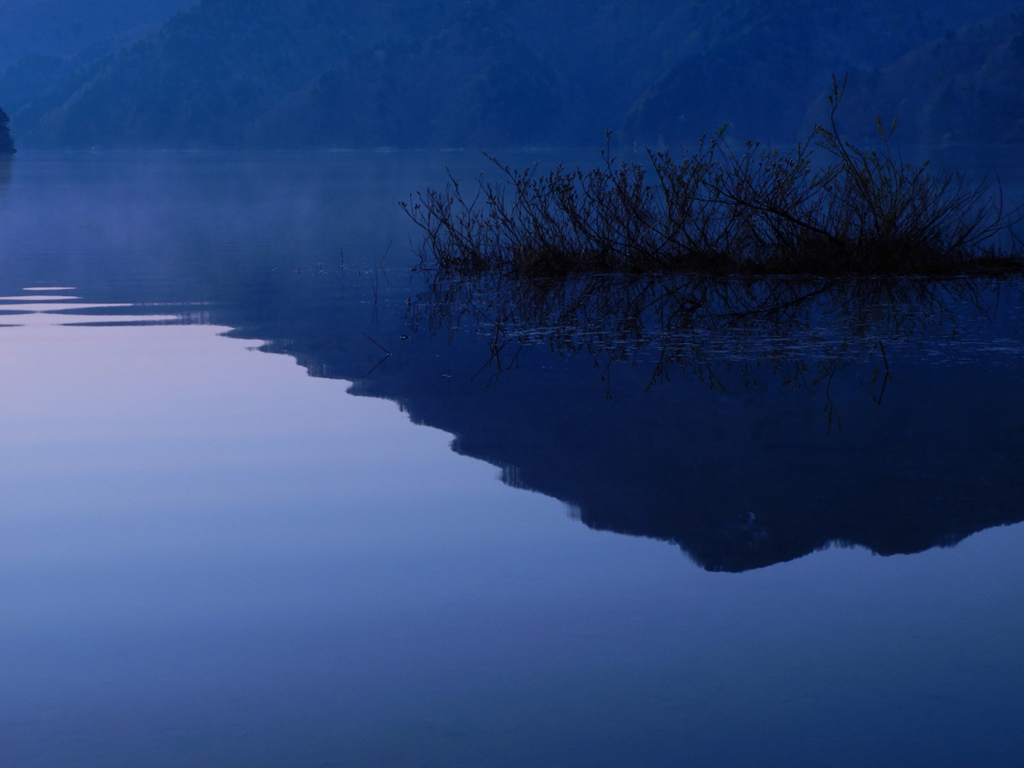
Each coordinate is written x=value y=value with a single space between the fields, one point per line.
x=800 y=331
x=756 y=212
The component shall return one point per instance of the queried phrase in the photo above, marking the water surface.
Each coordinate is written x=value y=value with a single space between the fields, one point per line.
x=209 y=556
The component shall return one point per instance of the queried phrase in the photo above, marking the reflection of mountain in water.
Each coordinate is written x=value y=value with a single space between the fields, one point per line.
x=752 y=447
x=759 y=441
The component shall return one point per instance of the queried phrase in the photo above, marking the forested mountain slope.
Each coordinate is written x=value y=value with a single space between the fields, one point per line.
x=482 y=73
x=63 y=28
x=965 y=87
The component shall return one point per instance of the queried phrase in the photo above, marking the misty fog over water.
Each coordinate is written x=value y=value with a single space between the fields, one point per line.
x=276 y=493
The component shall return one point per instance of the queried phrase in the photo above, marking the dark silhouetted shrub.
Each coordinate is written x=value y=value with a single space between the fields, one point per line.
x=718 y=211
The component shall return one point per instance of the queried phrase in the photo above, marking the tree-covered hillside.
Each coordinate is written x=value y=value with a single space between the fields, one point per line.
x=476 y=73
x=758 y=64
x=63 y=28
x=966 y=86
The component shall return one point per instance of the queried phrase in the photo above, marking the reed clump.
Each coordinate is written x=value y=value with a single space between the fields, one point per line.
x=758 y=211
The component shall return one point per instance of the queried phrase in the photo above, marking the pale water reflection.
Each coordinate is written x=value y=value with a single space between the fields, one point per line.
x=209 y=557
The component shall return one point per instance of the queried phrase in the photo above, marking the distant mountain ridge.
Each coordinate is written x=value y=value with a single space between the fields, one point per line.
x=482 y=73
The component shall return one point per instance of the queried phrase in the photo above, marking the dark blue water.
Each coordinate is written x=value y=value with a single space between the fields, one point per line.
x=739 y=544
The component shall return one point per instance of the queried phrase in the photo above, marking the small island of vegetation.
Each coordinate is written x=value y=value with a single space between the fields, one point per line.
x=758 y=211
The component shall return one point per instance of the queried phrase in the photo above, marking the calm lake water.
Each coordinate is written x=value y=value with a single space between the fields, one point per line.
x=265 y=503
